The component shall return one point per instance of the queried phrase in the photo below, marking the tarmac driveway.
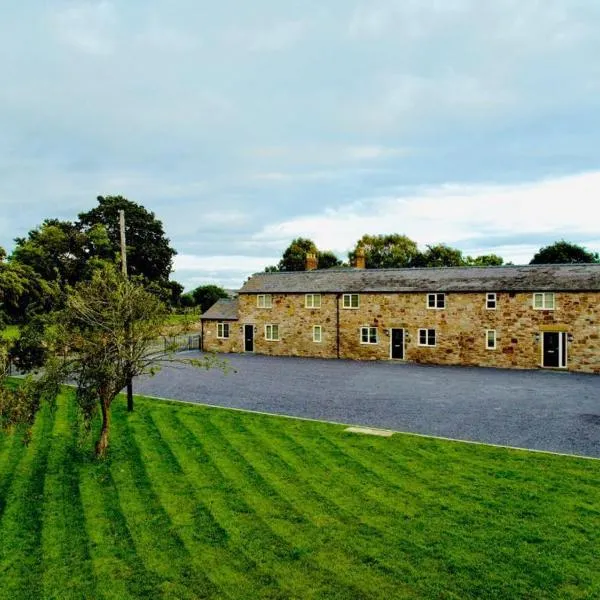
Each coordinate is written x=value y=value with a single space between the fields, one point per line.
x=541 y=410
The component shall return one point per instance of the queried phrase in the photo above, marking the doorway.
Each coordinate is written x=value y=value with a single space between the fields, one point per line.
x=248 y=338
x=554 y=349
x=397 y=344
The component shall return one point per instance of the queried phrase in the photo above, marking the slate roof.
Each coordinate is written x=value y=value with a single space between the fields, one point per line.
x=224 y=309
x=530 y=278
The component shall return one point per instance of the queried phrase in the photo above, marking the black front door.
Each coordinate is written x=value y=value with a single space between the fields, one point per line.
x=397 y=343
x=249 y=338
x=551 y=349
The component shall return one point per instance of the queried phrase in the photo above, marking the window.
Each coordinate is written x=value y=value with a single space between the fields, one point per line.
x=543 y=301
x=350 y=301
x=490 y=339
x=223 y=330
x=426 y=337
x=312 y=300
x=490 y=301
x=272 y=333
x=368 y=335
x=436 y=300
x=317 y=334
x=264 y=301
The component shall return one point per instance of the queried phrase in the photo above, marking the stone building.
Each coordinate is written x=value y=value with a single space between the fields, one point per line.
x=512 y=316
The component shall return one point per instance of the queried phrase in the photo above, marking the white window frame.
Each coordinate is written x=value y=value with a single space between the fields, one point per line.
x=436 y=297
x=312 y=300
x=427 y=344
x=545 y=297
x=369 y=329
x=487 y=339
x=348 y=304
x=222 y=326
x=269 y=332
x=264 y=301
x=491 y=297
x=317 y=338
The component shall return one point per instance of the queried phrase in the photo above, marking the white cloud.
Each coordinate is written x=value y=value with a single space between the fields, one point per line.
x=451 y=213
x=88 y=26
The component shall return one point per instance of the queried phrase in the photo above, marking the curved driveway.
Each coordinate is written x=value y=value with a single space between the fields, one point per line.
x=541 y=410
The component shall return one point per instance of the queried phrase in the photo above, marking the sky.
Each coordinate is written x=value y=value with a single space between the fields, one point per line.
x=245 y=124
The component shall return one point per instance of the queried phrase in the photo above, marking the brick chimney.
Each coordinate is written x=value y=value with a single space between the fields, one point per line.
x=359 y=259
x=311 y=261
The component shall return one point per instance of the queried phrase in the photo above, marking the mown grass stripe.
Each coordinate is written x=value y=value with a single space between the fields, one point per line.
x=203 y=536
x=67 y=564
x=118 y=569
x=291 y=554
x=12 y=453
x=20 y=529
x=249 y=546
x=156 y=540
x=319 y=532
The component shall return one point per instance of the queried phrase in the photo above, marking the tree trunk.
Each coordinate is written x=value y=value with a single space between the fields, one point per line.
x=102 y=443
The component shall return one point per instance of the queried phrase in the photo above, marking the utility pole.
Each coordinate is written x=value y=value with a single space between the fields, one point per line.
x=127 y=324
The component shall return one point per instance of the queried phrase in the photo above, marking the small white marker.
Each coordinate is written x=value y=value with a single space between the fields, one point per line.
x=370 y=431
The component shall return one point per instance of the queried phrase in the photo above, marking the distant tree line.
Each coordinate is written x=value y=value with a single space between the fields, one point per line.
x=399 y=251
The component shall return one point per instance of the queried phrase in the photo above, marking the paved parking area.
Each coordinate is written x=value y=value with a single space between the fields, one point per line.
x=541 y=410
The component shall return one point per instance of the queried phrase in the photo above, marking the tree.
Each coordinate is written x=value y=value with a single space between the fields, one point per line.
x=206 y=295
x=22 y=293
x=294 y=257
x=440 y=255
x=485 y=260
x=563 y=252
x=149 y=253
x=386 y=251
x=106 y=333
x=328 y=260
x=59 y=251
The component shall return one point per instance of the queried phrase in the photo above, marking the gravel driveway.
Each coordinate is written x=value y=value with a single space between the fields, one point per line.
x=541 y=410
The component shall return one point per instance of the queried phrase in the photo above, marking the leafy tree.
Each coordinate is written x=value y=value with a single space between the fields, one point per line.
x=485 y=260
x=21 y=291
x=149 y=253
x=106 y=333
x=439 y=255
x=328 y=260
x=563 y=252
x=58 y=251
x=206 y=295
x=386 y=251
x=294 y=257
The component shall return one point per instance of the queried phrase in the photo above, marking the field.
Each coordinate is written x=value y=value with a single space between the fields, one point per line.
x=198 y=502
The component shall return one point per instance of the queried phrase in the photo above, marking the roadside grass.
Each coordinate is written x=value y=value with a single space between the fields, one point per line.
x=10 y=332
x=197 y=502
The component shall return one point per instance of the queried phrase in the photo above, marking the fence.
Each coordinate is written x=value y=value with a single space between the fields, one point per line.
x=181 y=343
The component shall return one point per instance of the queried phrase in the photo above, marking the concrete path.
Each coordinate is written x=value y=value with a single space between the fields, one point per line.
x=540 y=410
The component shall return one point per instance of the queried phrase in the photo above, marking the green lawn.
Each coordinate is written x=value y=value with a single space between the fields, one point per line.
x=198 y=502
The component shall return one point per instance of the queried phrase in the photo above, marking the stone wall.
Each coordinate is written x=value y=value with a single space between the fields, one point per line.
x=460 y=328
x=212 y=343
